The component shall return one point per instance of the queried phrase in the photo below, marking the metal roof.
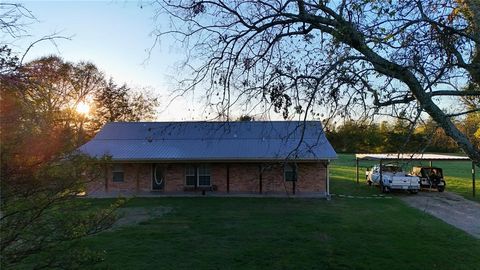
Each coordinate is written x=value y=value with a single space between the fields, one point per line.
x=212 y=141
x=410 y=156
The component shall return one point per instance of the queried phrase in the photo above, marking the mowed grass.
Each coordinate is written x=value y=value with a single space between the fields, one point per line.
x=457 y=174
x=275 y=233
x=257 y=233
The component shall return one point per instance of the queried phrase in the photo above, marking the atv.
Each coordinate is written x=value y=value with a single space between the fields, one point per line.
x=430 y=177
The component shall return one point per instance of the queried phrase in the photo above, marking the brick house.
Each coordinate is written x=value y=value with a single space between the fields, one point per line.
x=259 y=157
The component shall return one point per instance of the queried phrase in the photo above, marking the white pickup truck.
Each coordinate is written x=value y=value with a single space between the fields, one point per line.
x=392 y=177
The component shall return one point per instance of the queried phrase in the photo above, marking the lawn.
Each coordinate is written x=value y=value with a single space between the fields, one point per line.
x=274 y=233
x=247 y=233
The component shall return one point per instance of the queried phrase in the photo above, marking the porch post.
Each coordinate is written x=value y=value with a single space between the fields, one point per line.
x=137 y=176
x=228 y=178
x=106 y=177
x=260 y=177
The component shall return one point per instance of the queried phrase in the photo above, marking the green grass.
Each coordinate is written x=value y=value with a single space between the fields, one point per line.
x=260 y=233
x=273 y=233
x=457 y=175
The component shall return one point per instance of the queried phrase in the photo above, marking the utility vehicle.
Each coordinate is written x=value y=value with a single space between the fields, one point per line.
x=430 y=177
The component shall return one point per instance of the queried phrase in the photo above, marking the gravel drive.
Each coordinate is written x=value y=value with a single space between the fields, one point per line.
x=449 y=207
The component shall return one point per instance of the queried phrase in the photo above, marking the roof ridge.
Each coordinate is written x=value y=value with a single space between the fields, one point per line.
x=214 y=122
x=210 y=139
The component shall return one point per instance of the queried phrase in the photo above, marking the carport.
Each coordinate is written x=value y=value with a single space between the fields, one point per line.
x=412 y=157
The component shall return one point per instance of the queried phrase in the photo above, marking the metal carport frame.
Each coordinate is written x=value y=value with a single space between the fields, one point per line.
x=412 y=156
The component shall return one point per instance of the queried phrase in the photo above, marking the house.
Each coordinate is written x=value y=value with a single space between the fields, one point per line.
x=259 y=157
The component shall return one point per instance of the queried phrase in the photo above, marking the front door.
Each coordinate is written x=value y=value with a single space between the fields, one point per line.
x=158 y=177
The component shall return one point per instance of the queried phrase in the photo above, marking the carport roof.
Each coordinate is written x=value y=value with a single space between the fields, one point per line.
x=409 y=156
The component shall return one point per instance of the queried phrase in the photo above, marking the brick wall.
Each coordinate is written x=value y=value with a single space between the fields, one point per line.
x=243 y=178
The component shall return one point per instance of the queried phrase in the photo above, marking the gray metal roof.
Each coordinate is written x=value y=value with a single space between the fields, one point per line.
x=212 y=141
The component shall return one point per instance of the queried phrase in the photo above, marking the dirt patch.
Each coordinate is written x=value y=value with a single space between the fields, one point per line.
x=451 y=208
x=135 y=215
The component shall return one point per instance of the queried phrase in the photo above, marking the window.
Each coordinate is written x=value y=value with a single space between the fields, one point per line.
x=290 y=172
x=117 y=171
x=197 y=175
x=203 y=175
x=190 y=176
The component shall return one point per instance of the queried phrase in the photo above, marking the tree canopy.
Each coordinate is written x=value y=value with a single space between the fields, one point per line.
x=41 y=126
x=42 y=174
x=343 y=58
x=385 y=137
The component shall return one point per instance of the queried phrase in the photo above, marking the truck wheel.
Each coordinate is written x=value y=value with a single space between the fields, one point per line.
x=413 y=191
x=441 y=188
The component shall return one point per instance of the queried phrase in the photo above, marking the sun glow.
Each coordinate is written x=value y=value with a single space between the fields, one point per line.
x=82 y=108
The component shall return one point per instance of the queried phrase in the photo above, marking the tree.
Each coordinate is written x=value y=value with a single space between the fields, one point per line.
x=245 y=118
x=348 y=58
x=13 y=17
x=471 y=124
x=41 y=219
x=358 y=137
x=8 y=61
x=121 y=103
x=57 y=86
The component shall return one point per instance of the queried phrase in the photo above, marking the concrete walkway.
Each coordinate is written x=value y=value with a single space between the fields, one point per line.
x=153 y=194
x=449 y=207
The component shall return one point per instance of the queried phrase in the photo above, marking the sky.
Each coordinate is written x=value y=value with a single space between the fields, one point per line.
x=116 y=36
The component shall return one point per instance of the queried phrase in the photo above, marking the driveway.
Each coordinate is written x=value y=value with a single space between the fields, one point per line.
x=449 y=207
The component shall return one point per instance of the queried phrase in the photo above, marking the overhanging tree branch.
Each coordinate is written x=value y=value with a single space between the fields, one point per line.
x=404 y=52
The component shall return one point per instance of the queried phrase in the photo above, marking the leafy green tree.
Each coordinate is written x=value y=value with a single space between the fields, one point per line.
x=356 y=137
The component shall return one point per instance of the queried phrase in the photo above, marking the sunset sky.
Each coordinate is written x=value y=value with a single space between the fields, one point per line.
x=116 y=37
